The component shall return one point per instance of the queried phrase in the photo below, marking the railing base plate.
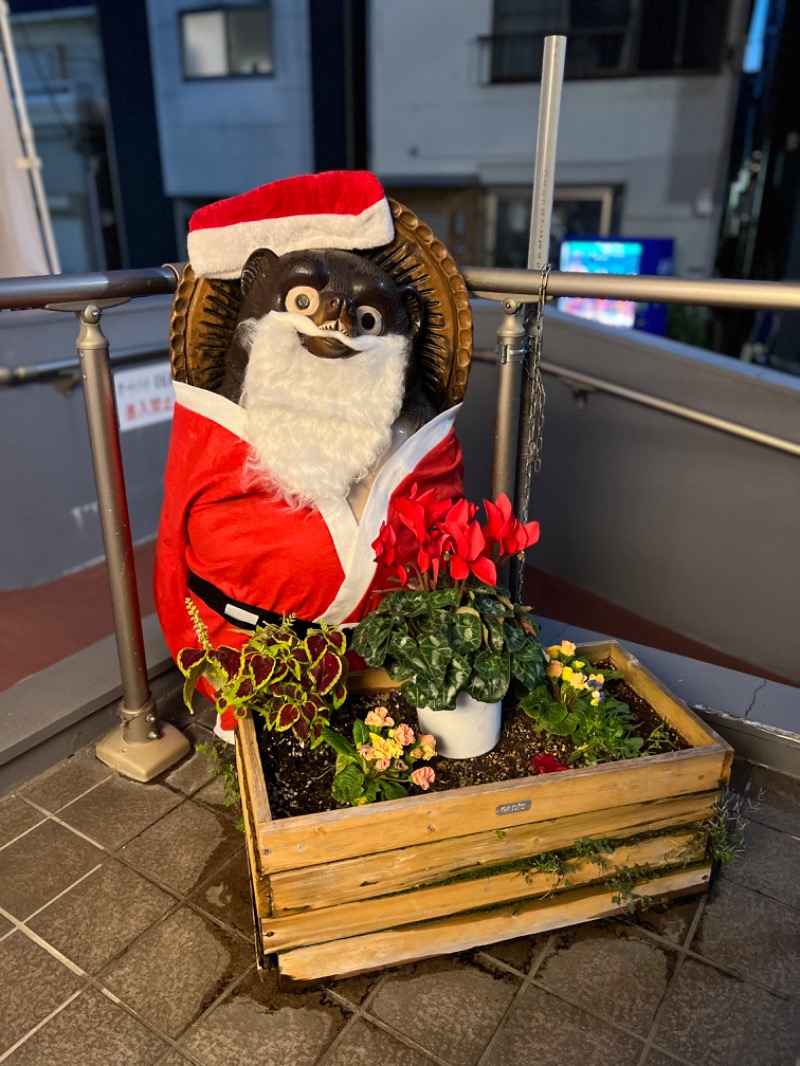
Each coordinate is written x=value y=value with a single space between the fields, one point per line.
x=143 y=762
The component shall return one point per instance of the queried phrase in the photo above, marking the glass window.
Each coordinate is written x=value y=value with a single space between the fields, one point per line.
x=227 y=42
x=606 y=37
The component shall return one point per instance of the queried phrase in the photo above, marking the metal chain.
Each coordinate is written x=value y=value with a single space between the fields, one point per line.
x=534 y=326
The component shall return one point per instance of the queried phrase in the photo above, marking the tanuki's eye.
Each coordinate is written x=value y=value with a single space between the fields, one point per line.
x=369 y=320
x=302 y=299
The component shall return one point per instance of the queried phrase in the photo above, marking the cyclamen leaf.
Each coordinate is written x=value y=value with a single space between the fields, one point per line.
x=466 y=631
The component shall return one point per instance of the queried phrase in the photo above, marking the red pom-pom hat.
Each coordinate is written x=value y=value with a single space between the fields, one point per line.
x=338 y=209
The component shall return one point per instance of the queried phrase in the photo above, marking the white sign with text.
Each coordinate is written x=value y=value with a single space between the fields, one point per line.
x=144 y=395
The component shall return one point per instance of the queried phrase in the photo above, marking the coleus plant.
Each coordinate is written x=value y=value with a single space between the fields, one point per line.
x=292 y=682
x=449 y=627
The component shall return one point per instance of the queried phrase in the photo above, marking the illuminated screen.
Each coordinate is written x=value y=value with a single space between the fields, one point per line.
x=601 y=257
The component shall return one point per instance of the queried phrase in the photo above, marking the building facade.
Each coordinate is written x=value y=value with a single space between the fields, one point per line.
x=646 y=112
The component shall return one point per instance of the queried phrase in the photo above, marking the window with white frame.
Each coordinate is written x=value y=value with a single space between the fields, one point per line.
x=227 y=42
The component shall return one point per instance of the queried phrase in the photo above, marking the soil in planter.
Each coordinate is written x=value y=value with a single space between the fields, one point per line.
x=299 y=781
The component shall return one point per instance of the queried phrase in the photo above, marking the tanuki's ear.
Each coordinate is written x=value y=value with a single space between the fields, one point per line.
x=258 y=265
x=412 y=305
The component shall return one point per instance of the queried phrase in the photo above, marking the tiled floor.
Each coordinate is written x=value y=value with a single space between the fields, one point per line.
x=125 y=938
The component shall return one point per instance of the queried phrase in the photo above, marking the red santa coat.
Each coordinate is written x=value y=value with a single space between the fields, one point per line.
x=317 y=565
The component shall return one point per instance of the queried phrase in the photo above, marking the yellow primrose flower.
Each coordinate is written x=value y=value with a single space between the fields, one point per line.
x=554 y=651
x=359 y=801
x=385 y=748
x=567 y=647
x=578 y=664
x=566 y=673
x=555 y=670
x=578 y=681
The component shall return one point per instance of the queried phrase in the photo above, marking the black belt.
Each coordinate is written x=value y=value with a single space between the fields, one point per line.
x=243 y=615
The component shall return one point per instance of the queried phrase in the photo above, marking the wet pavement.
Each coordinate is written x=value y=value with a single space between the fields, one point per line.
x=126 y=938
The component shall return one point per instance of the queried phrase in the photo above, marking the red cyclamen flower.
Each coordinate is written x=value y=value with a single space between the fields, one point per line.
x=385 y=548
x=546 y=763
x=503 y=529
x=467 y=545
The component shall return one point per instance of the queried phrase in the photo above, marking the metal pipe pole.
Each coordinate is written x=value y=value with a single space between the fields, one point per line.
x=538 y=252
x=495 y=283
x=511 y=349
x=137 y=703
x=31 y=160
x=139 y=747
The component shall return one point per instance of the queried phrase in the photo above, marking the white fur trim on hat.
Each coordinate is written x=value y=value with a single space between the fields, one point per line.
x=221 y=252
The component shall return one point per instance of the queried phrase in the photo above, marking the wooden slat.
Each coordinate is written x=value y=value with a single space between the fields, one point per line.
x=247 y=750
x=360 y=682
x=262 y=903
x=397 y=871
x=343 y=958
x=318 y=838
x=351 y=919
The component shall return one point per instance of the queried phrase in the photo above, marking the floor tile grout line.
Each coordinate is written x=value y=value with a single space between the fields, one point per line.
x=524 y=985
x=63 y=892
x=24 y=833
x=171 y=1042
x=45 y=945
x=72 y=829
x=40 y=1025
x=91 y=788
x=739 y=976
x=403 y=1038
x=537 y=982
x=758 y=892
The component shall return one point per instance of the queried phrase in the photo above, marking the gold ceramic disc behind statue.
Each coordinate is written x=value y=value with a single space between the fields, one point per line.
x=205 y=310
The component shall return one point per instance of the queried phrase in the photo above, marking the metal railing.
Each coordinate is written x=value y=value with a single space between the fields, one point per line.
x=87 y=295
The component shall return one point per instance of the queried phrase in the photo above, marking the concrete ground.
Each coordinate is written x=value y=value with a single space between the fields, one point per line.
x=126 y=938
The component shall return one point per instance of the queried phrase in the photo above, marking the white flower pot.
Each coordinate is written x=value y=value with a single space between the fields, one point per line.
x=472 y=729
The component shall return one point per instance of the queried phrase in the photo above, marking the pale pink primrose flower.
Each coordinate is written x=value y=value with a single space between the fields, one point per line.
x=423 y=778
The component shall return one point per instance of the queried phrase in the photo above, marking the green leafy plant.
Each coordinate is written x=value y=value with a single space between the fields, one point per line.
x=381 y=760
x=724 y=830
x=571 y=701
x=292 y=682
x=623 y=883
x=450 y=628
x=223 y=766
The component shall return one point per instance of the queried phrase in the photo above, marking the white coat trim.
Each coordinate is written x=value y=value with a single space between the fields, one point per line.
x=353 y=541
x=212 y=406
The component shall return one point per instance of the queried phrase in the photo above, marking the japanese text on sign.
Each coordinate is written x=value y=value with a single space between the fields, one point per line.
x=144 y=395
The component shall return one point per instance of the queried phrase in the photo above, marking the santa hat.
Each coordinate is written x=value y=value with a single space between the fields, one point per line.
x=339 y=209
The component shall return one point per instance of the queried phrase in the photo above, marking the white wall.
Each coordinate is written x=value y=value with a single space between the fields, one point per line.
x=663 y=138
x=222 y=136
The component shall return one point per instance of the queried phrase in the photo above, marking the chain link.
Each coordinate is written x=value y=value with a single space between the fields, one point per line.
x=534 y=327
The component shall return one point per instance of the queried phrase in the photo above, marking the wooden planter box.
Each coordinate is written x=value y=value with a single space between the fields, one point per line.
x=353 y=890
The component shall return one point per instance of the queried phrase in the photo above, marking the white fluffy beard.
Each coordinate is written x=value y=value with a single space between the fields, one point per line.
x=317 y=426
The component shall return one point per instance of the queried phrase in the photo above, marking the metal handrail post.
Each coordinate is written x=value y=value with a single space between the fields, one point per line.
x=138 y=707
x=124 y=748
x=511 y=349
